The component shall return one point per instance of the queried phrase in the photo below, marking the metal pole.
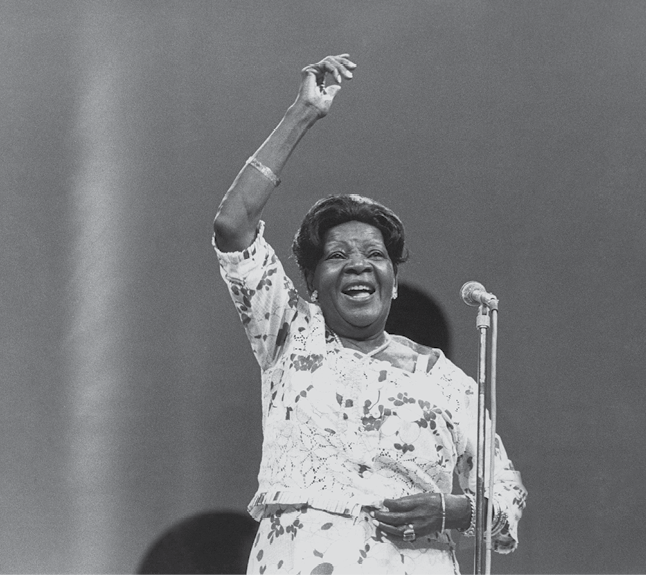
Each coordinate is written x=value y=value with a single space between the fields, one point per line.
x=482 y=323
x=492 y=433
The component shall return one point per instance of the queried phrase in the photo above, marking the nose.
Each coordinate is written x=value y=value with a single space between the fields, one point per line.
x=357 y=263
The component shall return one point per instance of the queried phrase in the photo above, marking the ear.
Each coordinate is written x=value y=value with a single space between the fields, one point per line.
x=309 y=281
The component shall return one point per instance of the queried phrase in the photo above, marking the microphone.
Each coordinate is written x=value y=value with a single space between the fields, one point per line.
x=474 y=293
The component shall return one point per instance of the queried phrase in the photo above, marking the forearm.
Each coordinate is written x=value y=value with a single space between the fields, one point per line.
x=276 y=150
x=241 y=208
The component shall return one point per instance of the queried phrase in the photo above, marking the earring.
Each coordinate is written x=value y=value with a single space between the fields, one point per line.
x=394 y=296
x=314 y=297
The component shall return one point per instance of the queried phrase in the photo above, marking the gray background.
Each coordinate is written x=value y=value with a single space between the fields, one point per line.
x=510 y=137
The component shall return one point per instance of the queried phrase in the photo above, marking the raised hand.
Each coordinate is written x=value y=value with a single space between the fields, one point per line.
x=313 y=90
x=237 y=219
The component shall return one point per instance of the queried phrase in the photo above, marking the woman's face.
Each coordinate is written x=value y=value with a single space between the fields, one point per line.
x=355 y=280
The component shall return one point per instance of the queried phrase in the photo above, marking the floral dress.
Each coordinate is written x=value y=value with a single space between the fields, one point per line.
x=343 y=431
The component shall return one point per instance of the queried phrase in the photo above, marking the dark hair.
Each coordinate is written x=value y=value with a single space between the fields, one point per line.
x=339 y=209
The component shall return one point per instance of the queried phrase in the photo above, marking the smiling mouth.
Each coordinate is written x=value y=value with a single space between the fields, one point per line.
x=358 y=292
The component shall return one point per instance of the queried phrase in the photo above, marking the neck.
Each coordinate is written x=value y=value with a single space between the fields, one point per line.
x=370 y=345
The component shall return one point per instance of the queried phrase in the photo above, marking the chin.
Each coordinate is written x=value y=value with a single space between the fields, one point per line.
x=366 y=322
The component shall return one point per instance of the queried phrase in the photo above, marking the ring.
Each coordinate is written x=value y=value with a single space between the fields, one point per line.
x=409 y=533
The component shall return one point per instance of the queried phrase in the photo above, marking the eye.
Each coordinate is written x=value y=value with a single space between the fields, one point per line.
x=376 y=254
x=335 y=256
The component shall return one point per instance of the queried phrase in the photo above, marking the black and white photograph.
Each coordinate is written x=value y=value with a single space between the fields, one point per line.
x=338 y=287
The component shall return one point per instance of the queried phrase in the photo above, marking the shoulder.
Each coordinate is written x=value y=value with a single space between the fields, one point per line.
x=414 y=349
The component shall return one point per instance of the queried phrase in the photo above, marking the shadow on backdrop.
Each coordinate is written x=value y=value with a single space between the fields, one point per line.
x=211 y=542
x=415 y=314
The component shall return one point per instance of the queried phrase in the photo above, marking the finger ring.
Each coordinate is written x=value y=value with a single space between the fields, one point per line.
x=409 y=533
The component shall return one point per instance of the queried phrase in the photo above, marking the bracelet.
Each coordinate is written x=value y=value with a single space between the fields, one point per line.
x=471 y=530
x=264 y=170
x=443 y=513
x=499 y=521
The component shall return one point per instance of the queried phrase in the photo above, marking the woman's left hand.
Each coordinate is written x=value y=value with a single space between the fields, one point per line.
x=423 y=511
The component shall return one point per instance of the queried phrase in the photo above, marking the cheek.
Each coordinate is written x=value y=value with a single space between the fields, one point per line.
x=389 y=278
x=324 y=277
x=315 y=277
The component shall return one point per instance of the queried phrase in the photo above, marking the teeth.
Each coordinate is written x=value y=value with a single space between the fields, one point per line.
x=358 y=289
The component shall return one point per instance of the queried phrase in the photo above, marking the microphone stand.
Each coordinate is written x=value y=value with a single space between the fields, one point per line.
x=487 y=318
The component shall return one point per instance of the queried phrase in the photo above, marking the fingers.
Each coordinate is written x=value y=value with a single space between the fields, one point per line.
x=394 y=531
x=390 y=523
x=405 y=510
x=407 y=503
x=339 y=67
x=396 y=524
x=402 y=512
x=313 y=91
x=418 y=510
x=392 y=518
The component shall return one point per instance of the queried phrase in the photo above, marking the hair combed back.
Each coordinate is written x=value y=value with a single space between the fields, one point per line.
x=340 y=209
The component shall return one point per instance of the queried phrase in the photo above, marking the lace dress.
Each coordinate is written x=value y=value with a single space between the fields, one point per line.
x=343 y=431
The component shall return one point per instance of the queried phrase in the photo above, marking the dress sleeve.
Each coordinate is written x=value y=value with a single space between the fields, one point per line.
x=509 y=493
x=265 y=298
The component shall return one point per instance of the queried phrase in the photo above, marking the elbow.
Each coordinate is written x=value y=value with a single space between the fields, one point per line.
x=223 y=229
x=220 y=225
x=230 y=235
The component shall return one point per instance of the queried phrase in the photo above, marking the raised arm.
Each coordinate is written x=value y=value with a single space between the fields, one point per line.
x=241 y=208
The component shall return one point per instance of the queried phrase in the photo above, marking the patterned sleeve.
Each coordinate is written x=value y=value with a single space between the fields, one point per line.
x=265 y=298
x=509 y=493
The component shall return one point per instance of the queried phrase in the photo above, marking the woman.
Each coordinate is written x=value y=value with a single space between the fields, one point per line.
x=363 y=430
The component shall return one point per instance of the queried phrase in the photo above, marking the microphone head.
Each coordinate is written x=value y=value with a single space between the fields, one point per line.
x=467 y=291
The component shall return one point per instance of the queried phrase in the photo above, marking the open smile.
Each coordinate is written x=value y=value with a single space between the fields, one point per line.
x=358 y=291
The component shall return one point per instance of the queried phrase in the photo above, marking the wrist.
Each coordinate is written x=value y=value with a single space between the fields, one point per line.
x=303 y=113
x=458 y=512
